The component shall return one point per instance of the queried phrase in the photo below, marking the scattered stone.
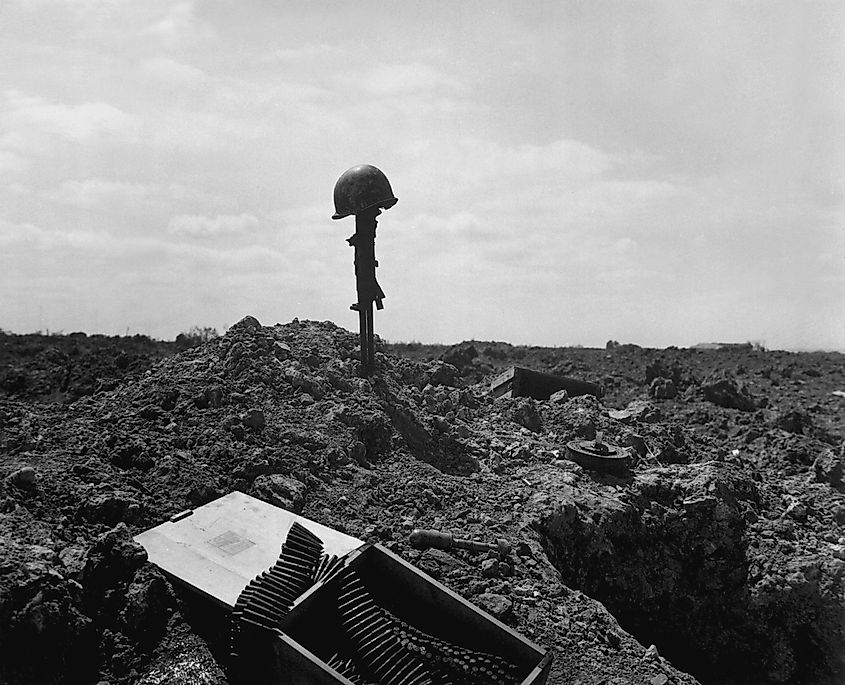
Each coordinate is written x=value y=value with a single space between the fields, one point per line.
x=283 y=491
x=662 y=388
x=490 y=568
x=113 y=558
x=723 y=391
x=524 y=412
x=798 y=511
x=559 y=397
x=281 y=351
x=210 y=397
x=495 y=604
x=523 y=549
x=149 y=603
x=638 y=410
x=828 y=468
x=443 y=374
x=794 y=421
x=439 y=564
x=110 y=508
x=651 y=654
x=254 y=418
x=73 y=559
x=358 y=452
x=23 y=477
x=248 y=323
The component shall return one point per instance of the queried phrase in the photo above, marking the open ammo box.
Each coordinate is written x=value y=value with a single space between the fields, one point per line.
x=299 y=650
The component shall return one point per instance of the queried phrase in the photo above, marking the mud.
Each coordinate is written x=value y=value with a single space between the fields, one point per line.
x=721 y=553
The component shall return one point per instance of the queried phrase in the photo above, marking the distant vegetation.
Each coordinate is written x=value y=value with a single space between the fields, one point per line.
x=196 y=336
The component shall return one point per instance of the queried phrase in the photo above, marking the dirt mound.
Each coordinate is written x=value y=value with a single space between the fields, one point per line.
x=726 y=531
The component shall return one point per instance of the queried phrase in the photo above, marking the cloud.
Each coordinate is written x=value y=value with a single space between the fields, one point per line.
x=171 y=72
x=308 y=51
x=207 y=227
x=179 y=26
x=12 y=163
x=26 y=237
x=402 y=79
x=94 y=192
x=29 y=120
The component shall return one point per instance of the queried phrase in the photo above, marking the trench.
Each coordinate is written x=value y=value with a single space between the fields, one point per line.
x=679 y=580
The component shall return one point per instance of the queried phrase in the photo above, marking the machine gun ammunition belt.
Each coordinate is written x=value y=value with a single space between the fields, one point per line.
x=389 y=651
x=268 y=598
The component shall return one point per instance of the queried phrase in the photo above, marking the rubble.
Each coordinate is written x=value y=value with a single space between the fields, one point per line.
x=723 y=545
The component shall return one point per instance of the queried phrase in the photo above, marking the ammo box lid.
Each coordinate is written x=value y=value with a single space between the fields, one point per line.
x=217 y=548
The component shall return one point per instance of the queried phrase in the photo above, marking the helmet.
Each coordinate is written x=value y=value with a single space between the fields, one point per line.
x=359 y=188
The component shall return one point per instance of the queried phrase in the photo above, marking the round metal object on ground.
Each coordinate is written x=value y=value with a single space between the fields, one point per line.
x=593 y=454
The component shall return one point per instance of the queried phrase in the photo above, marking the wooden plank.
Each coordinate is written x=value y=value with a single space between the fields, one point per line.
x=500 y=386
x=224 y=544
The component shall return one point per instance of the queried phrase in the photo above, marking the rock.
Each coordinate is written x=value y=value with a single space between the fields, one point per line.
x=490 y=568
x=248 y=323
x=494 y=604
x=797 y=510
x=113 y=558
x=638 y=410
x=203 y=494
x=723 y=391
x=110 y=508
x=828 y=468
x=443 y=374
x=254 y=418
x=283 y=491
x=523 y=549
x=281 y=351
x=73 y=559
x=794 y=421
x=559 y=397
x=651 y=654
x=23 y=477
x=660 y=679
x=663 y=388
x=439 y=564
x=505 y=570
x=210 y=397
x=358 y=452
x=149 y=603
x=525 y=414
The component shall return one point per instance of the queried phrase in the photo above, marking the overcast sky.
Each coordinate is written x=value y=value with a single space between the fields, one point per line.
x=663 y=173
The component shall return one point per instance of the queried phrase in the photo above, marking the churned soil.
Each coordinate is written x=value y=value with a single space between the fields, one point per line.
x=718 y=558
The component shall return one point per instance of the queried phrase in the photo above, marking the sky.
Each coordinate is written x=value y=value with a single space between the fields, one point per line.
x=660 y=173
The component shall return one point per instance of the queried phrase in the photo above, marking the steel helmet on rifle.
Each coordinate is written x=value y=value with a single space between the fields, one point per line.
x=359 y=188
